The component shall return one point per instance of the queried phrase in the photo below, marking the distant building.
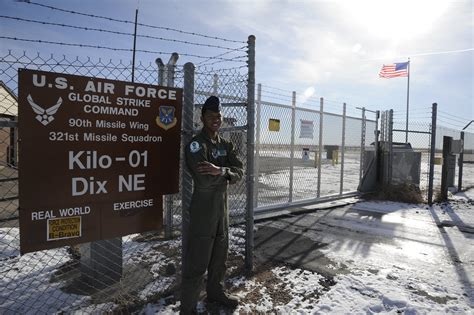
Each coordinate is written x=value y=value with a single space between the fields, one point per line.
x=8 y=133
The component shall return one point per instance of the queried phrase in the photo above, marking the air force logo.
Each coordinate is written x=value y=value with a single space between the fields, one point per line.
x=194 y=147
x=44 y=116
x=166 y=119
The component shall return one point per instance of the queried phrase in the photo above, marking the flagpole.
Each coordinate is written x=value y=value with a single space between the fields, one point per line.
x=408 y=99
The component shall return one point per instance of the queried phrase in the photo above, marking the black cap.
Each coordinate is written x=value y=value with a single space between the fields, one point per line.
x=212 y=104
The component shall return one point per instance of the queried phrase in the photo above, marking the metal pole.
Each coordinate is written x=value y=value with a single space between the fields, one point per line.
x=161 y=71
x=408 y=99
x=250 y=152
x=292 y=144
x=168 y=199
x=320 y=150
x=461 y=162
x=343 y=148
x=257 y=143
x=215 y=84
x=362 y=145
x=390 y=146
x=376 y=143
x=432 y=153
x=382 y=126
x=444 y=169
x=187 y=134
x=170 y=68
x=134 y=46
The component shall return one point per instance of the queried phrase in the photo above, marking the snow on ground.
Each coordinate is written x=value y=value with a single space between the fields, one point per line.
x=421 y=264
x=274 y=176
x=397 y=259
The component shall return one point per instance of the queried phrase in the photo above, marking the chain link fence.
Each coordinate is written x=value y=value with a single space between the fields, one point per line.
x=125 y=273
x=424 y=132
x=467 y=180
x=306 y=154
x=418 y=135
x=467 y=158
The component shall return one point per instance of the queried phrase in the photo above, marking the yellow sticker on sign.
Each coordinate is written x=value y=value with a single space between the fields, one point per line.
x=274 y=124
x=62 y=228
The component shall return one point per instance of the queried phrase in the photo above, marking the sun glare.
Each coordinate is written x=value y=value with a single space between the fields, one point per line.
x=309 y=92
x=395 y=19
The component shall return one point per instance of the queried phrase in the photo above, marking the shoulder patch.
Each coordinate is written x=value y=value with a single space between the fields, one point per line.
x=194 y=147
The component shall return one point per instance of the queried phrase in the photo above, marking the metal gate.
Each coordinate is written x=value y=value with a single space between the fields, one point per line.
x=305 y=155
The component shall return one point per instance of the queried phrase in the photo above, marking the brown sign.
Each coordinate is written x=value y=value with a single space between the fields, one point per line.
x=95 y=157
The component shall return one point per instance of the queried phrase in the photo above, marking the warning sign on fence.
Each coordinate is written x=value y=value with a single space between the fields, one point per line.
x=274 y=124
x=96 y=156
x=306 y=129
x=62 y=228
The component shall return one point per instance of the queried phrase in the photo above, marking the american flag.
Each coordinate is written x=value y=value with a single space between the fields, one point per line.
x=394 y=70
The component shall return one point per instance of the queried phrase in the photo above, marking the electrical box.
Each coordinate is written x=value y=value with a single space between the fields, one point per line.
x=405 y=165
x=456 y=147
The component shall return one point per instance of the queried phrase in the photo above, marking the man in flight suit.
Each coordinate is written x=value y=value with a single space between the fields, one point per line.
x=213 y=164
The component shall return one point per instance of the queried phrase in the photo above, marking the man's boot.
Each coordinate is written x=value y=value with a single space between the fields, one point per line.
x=224 y=299
x=187 y=310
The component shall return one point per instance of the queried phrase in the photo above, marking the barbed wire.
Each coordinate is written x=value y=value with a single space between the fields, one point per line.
x=71 y=65
x=312 y=100
x=462 y=121
x=446 y=117
x=121 y=33
x=330 y=101
x=287 y=101
x=219 y=61
x=457 y=125
x=274 y=88
x=451 y=115
x=220 y=75
x=412 y=115
x=132 y=22
x=113 y=48
x=204 y=62
x=212 y=70
x=416 y=109
x=264 y=92
x=124 y=67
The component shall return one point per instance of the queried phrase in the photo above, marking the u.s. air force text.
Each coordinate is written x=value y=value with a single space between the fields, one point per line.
x=108 y=149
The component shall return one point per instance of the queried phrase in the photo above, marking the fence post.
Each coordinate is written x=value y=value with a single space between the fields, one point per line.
x=250 y=152
x=101 y=262
x=376 y=144
x=461 y=162
x=432 y=153
x=343 y=147
x=215 y=84
x=168 y=199
x=292 y=144
x=445 y=168
x=362 y=145
x=13 y=146
x=257 y=143
x=187 y=134
x=320 y=150
x=161 y=70
x=390 y=146
x=383 y=126
x=170 y=68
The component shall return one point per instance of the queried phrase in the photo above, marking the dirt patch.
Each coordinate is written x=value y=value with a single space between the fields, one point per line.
x=406 y=193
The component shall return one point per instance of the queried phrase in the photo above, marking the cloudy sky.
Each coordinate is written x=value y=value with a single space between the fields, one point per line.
x=332 y=49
